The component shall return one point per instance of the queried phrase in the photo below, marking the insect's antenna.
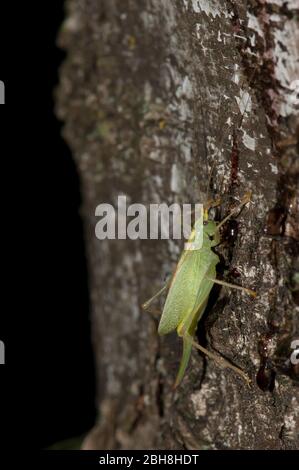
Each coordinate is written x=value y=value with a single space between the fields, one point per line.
x=214 y=162
x=203 y=120
x=210 y=179
x=204 y=130
x=226 y=134
x=248 y=97
x=205 y=146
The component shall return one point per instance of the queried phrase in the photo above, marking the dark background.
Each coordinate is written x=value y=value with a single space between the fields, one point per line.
x=47 y=385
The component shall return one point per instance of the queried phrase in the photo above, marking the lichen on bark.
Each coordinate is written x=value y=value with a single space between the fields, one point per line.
x=152 y=94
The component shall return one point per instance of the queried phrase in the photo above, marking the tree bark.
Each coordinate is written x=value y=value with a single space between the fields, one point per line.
x=155 y=97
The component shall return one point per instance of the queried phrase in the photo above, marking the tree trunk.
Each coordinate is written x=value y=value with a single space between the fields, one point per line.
x=155 y=97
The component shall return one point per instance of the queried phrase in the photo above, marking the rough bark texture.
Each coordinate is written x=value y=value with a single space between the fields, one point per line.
x=151 y=94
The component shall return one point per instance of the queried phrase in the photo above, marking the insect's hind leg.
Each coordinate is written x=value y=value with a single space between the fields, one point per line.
x=221 y=361
x=188 y=342
x=187 y=348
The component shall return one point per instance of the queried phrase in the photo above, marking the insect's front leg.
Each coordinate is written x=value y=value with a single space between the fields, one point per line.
x=212 y=203
x=246 y=198
x=148 y=303
x=216 y=238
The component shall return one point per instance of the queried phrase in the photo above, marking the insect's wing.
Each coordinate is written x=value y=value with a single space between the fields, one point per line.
x=189 y=321
x=182 y=293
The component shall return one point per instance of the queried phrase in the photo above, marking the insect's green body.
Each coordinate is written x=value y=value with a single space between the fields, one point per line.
x=190 y=289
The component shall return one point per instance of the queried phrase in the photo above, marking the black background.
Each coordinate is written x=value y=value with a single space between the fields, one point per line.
x=47 y=385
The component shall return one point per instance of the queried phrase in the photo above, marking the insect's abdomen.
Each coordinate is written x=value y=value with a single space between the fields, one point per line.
x=187 y=288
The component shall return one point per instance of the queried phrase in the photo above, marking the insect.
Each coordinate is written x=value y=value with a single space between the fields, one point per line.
x=190 y=286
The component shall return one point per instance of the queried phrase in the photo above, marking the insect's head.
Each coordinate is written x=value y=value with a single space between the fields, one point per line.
x=210 y=232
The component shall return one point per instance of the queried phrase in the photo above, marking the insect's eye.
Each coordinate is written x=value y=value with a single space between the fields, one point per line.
x=205 y=222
